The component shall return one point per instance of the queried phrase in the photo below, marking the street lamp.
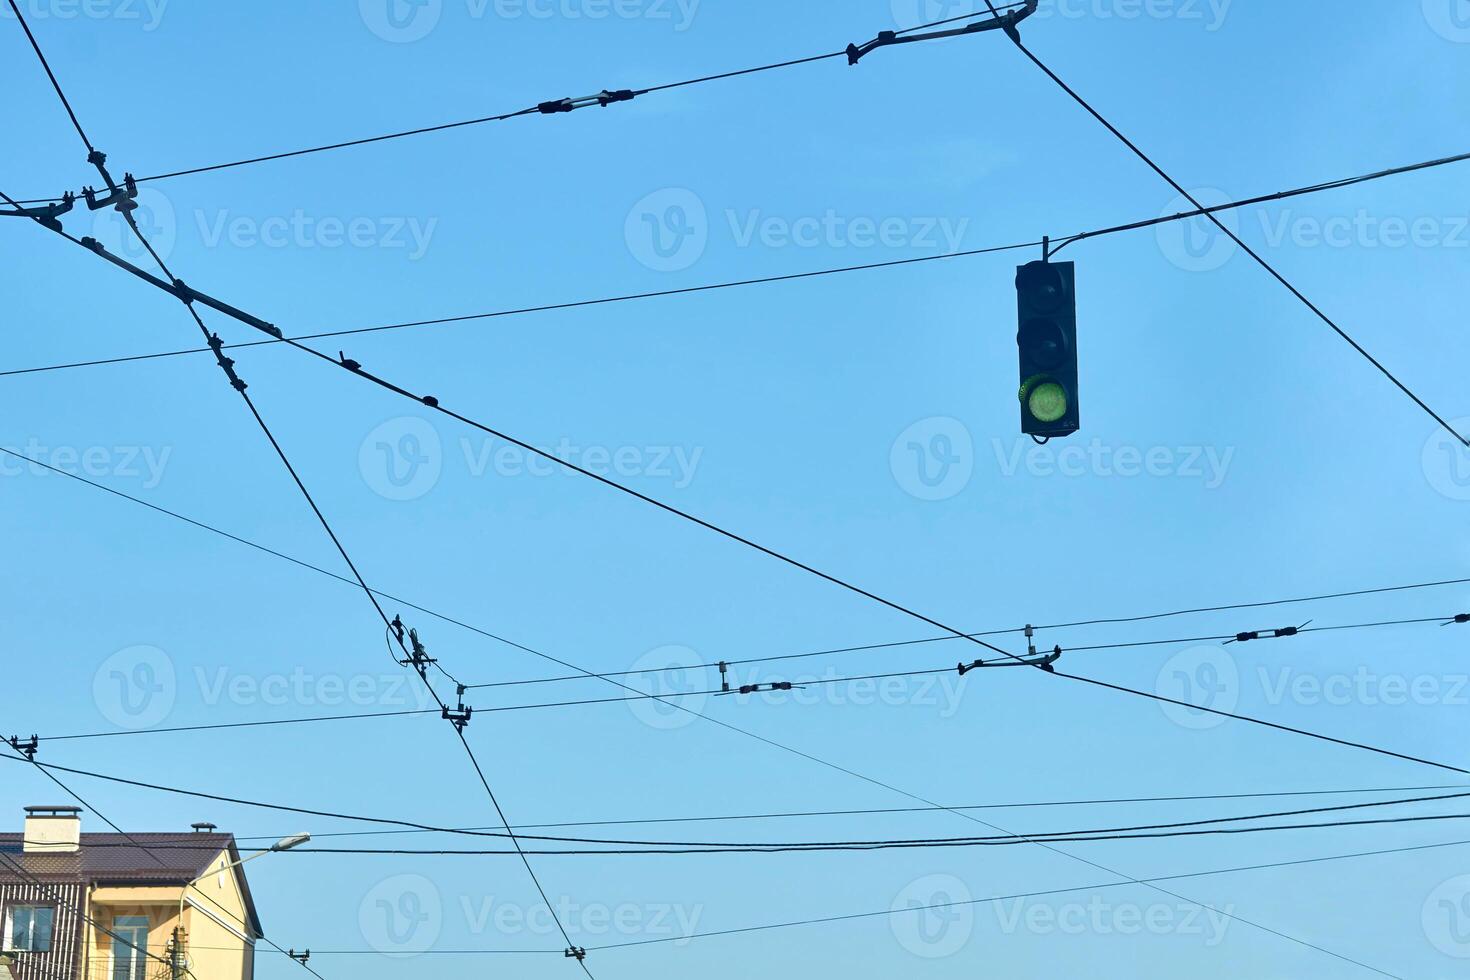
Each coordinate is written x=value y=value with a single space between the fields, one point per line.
x=284 y=844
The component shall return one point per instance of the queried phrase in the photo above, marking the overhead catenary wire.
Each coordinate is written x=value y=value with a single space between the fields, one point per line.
x=916 y=910
x=803 y=683
x=772 y=846
x=910 y=910
x=433 y=402
x=766 y=280
x=404 y=392
x=227 y=367
x=542 y=108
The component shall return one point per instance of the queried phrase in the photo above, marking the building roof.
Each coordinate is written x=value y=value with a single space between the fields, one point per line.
x=130 y=859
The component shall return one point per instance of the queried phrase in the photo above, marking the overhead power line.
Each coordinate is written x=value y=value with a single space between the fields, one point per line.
x=226 y=366
x=1224 y=229
x=742 y=847
x=1060 y=242
x=190 y=296
x=178 y=289
x=1007 y=13
x=911 y=910
x=826 y=681
x=917 y=910
x=891 y=811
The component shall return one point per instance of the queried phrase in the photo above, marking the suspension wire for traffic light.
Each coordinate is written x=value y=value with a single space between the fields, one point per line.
x=227 y=367
x=557 y=106
x=46 y=771
x=1260 y=260
x=767 y=280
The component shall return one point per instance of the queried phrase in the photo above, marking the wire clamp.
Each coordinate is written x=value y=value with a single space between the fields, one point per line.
x=226 y=364
x=458 y=717
x=760 y=688
x=27 y=747
x=1006 y=22
x=604 y=98
x=1269 y=634
x=354 y=366
x=578 y=953
x=1462 y=619
x=122 y=199
x=46 y=214
x=724 y=677
x=419 y=659
x=1046 y=663
x=301 y=957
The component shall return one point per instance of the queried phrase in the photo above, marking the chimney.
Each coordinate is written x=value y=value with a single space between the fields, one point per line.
x=53 y=830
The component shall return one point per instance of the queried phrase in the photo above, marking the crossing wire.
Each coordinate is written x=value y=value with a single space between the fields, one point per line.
x=433 y=402
x=1015 y=36
x=226 y=365
x=1061 y=242
x=500 y=117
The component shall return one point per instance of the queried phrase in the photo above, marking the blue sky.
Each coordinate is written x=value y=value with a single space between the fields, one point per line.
x=1232 y=450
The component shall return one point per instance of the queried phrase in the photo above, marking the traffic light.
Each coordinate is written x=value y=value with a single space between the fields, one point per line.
x=1047 y=338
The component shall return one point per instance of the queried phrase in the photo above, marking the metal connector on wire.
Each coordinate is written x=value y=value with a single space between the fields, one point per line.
x=1268 y=634
x=604 y=98
x=1006 y=22
x=578 y=953
x=1461 y=619
x=46 y=214
x=1046 y=663
x=26 y=747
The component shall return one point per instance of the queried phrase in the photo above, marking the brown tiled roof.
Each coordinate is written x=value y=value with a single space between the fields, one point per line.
x=175 y=858
x=128 y=859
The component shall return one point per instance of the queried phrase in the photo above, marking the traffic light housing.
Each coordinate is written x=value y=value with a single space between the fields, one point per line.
x=1047 y=338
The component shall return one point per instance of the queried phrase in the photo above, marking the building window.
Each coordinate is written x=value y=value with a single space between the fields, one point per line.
x=28 y=928
x=129 y=947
